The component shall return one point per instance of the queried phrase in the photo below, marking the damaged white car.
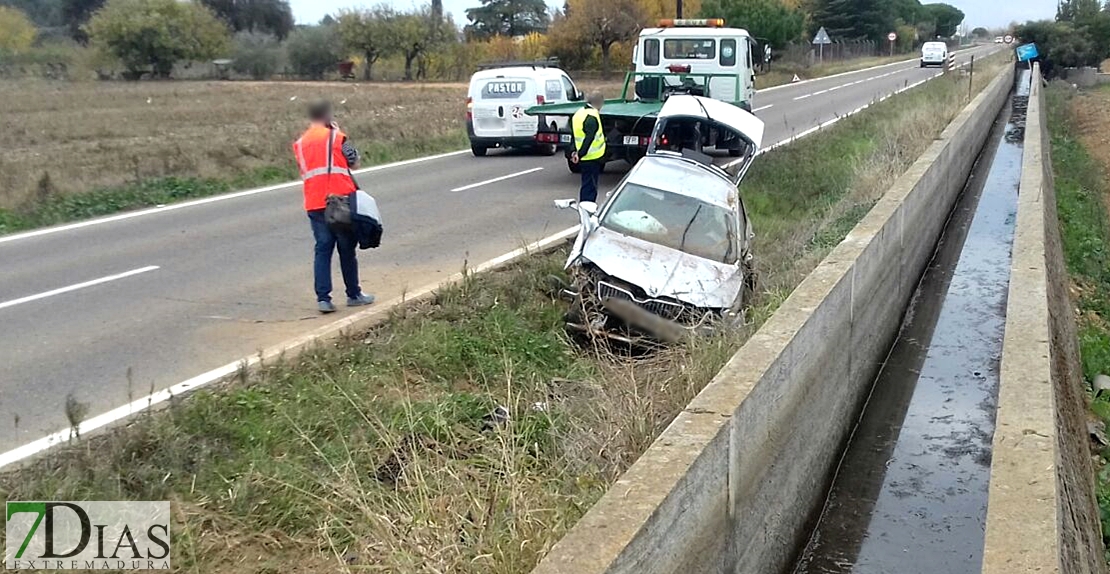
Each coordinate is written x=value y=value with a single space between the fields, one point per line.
x=669 y=252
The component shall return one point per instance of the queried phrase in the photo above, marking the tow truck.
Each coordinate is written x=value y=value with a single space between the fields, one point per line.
x=687 y=57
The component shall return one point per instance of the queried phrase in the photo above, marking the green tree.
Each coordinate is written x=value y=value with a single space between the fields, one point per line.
x=369 y=32
x=314 y=51
x=414 y=35
x=507 y=18
x=769 y=19
x=852 y=19
x=981 y=32
x=153 y=35
x=946 y=18
x=43 y=13
x=268 y=16
x=76 y=14
x=908 y=11
x=256 y=55
x=1077 y=10
x=17 y=32
x=1061 y=43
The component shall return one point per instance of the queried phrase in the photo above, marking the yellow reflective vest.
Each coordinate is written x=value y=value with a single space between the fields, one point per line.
x=578 y=124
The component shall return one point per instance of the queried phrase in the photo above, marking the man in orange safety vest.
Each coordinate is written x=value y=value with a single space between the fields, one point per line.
x=326 y=159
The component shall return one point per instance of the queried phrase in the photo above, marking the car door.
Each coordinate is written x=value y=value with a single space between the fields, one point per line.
x=499 y=107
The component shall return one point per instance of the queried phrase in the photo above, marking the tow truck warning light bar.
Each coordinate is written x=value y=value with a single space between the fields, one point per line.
x=688 y=23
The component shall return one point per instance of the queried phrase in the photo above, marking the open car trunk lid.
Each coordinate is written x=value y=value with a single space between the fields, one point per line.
x=721 y=116
x=499 y=109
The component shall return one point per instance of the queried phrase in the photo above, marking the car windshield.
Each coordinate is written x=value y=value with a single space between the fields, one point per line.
x=674 y=220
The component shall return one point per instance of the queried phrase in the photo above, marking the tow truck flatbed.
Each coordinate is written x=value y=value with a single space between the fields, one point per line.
x=628 y=121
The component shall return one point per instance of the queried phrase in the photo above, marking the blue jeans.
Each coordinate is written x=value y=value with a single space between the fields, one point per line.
x=591 y=173
x=327 y=242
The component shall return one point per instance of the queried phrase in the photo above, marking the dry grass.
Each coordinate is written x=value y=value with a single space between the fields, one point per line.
x=95 y=135
x=381 y=453
x=1091 y=118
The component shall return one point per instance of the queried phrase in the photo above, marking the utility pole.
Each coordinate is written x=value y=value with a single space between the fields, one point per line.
x=678 y=9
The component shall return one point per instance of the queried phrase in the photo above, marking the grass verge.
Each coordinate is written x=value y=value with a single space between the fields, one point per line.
x=386 y=451
x=48 y=206
x=1082 y=196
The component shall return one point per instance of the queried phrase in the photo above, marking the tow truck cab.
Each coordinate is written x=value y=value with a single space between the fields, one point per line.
x=697 y=47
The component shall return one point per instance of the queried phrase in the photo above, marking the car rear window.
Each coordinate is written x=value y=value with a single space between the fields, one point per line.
x=504 y=88
x=693 y=49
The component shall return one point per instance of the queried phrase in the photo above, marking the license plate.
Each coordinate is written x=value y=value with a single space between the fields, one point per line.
x=631 y=140
x=565 y=138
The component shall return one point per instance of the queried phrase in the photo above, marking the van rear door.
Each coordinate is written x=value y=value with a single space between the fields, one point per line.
x=499 y=107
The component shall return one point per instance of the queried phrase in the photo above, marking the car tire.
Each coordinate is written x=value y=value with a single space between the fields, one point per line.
x=547 y=149
x=478 y=150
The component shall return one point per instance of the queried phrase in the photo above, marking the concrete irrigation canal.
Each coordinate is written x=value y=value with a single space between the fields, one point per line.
x=909 y=408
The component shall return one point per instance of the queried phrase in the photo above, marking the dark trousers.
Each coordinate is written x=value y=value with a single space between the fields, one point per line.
x=591 y=173
x=327 y=242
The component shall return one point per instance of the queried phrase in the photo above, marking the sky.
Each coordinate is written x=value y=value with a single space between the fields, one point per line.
x=985 y=13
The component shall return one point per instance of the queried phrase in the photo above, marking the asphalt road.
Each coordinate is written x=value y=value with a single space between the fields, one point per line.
x=173 y=293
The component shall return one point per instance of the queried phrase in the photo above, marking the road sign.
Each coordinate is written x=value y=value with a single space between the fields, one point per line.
x=892 y=36
x=822 y=37
x=1026 y=52
x=1008 y=39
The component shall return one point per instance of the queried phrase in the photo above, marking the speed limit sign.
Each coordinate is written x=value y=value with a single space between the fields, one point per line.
x=892 y=36
x=1008 y=39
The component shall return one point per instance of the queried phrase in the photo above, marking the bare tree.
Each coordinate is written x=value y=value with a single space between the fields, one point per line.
x=371 y=33
x=606 y=22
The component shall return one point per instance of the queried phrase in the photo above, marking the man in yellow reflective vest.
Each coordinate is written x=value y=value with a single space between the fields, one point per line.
x=589 y=145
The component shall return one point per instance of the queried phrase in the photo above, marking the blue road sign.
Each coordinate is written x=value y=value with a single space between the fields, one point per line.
x=1026 y=52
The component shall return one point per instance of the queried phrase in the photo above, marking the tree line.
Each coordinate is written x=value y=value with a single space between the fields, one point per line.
x=1079 y=36
x=260 y=36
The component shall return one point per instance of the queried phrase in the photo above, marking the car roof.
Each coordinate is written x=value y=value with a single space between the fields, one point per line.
x=685 y=177
x=519 y=71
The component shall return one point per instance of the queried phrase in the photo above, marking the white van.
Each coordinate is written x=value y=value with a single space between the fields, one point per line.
x=934 y=54
x=497 y=99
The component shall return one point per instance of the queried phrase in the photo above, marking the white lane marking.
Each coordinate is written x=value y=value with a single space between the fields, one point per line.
x=35 y=447
x=857 y=82
x=206 y=200
x=497 y=179
x=215 y=375
x=760 y=109
x=70 y=288
x=871 y=69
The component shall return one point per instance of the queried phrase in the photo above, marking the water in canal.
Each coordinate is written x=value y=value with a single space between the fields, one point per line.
x=910 y=495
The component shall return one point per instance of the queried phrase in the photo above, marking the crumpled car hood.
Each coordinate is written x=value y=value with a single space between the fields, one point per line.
x=664 y=272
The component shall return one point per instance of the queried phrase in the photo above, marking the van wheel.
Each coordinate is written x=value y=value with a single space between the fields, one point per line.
x=479 y=150
x=547 y=149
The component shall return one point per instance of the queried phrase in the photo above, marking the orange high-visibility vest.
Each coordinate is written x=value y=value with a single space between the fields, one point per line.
x=324 y=168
